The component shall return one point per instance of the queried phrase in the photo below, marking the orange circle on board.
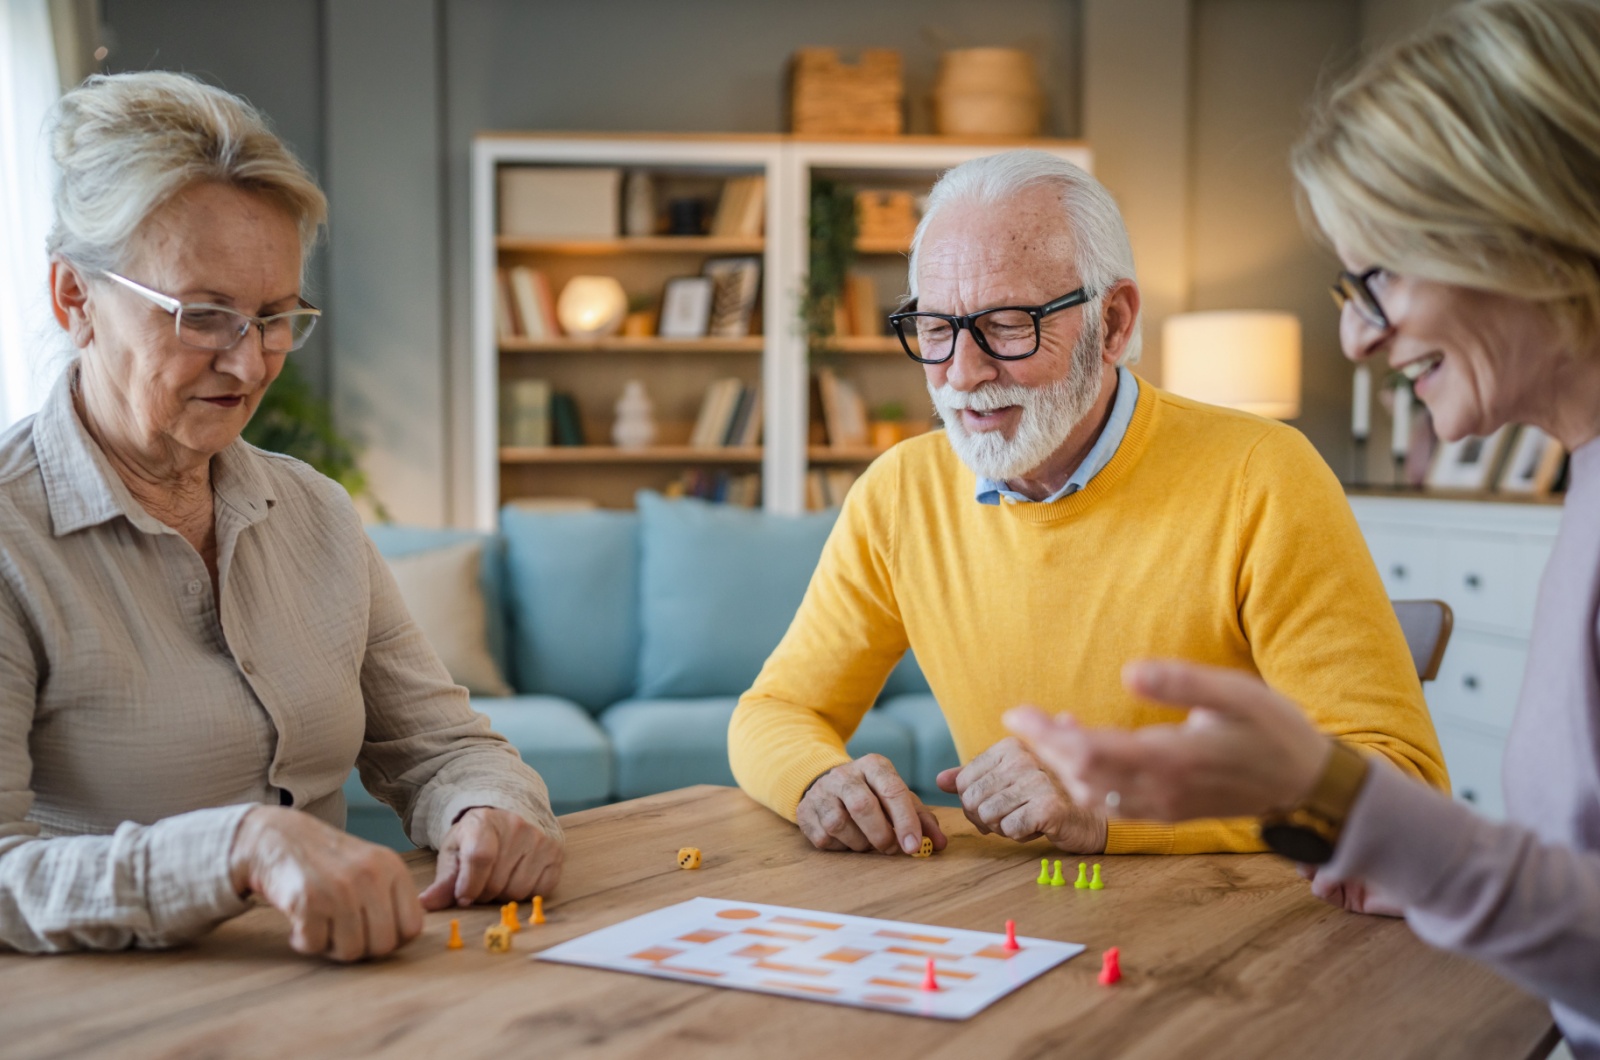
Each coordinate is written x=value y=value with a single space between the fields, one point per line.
x=738 y=914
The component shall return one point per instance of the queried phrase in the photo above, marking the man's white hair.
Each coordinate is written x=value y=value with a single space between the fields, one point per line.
x=1100 y=238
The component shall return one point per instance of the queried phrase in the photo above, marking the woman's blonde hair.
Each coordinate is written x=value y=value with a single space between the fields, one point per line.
x=1470 y=155
x=125 y=144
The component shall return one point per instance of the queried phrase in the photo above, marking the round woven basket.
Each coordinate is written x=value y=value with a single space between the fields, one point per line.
x=987 y=92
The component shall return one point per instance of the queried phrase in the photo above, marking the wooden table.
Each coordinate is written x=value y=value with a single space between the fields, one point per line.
x=1222 y=955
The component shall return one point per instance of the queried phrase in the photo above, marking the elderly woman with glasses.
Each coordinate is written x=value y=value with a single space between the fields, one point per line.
x=1458 y=179
x=197 y=640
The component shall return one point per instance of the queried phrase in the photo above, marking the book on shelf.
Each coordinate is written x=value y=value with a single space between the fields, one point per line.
x=856 y=312
x=742 y=208
x=718 y=410
x=505 y=307
x=826 y=488
x=534 y=304
x=744 y=430
x=525 y=414
x=735 y=285
x=566 y=422
x=737 y=489
x=844 y=413
x=560 y=202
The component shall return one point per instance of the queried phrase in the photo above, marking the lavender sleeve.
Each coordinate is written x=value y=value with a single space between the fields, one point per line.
x=1493 y=892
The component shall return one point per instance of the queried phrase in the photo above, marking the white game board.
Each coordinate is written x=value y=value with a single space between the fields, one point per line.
x=846 y=960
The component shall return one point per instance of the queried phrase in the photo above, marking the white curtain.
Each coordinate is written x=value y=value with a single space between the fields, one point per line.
x=29 y=337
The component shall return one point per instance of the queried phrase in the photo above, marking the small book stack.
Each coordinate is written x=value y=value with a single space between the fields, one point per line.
x=844 y=414
x=857 y=314
x=532 y=416
x=740 y=489
x=826 y=487
x=742 y=210
x=524 y=306
x=730 y=416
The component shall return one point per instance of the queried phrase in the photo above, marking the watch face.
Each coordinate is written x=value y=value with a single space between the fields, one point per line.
x=1297 y=843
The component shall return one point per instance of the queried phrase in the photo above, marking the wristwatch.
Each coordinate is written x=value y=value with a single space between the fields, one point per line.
x=1309 y=831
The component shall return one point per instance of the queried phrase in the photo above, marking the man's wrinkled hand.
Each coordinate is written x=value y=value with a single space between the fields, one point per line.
x=864 y=805
x=1006 y=790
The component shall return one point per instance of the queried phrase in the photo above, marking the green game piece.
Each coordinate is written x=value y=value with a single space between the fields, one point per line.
x=1044 y=872
x=1083 y=876
x=1058 y=880
x=1096 y=884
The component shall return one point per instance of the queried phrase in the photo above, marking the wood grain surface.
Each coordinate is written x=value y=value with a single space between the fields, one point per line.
x=1222 y=956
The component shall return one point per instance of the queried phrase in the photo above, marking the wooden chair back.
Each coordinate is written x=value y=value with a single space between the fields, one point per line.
x=1427 y=625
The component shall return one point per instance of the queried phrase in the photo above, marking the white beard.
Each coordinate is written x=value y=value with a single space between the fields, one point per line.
x=1049 y=414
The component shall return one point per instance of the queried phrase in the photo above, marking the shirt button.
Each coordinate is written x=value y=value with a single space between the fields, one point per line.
x=247 y=668
x=195 y=587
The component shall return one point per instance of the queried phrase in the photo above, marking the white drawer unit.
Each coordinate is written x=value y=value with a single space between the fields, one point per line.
x=1484 y=559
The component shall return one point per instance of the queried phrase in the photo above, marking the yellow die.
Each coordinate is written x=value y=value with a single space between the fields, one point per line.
x=497 y=939
x=689 y=858
x=926 y=850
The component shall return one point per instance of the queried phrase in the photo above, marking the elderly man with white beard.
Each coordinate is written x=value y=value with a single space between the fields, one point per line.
x=1070 y=518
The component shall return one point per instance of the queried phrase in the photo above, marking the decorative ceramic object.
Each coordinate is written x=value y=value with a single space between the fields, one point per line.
x=592 y=306
x=635 y=427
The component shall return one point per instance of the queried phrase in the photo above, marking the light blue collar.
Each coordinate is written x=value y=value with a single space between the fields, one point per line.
x=1105 y=447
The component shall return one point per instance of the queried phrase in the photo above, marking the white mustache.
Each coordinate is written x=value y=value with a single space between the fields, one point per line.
x=987 y=398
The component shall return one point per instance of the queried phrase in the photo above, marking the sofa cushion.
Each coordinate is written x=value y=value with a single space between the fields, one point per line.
x=573 y=596
x=397 y=541
x=935 y=749
x=441 y=588
x=665 y=744
x=718 y=588
x=557 y=738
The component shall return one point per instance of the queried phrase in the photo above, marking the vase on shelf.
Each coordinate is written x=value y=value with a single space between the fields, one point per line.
x=635 y=426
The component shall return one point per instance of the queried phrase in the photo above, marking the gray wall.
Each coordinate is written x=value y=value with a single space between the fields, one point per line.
x=1189 y=105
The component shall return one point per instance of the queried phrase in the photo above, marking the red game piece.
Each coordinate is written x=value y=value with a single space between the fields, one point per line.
x=1110 y=967
x=1011 y=936
x=929 y=981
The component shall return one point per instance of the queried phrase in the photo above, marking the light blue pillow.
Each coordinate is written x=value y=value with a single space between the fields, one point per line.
x=396 y=541
x=572 y=589
x=719 y=586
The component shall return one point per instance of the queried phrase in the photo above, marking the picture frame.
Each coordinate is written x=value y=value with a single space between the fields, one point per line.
x=1533 y=464
x=1468 y=463
x=735 y=288
x=685 y=308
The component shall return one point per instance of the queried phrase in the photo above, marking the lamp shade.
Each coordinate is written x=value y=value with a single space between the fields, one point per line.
x=592 y=306
x=1245 y=359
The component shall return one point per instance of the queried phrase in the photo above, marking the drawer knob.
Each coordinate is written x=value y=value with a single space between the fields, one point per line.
x=1398 y=571
x=1474 y=582
x=1470 y=682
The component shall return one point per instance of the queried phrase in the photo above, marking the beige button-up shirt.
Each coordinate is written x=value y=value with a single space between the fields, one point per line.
x=141 y=716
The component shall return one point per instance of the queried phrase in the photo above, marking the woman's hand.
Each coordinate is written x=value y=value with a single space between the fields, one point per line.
x=1244 y=750
x=493 y=855
x=345 y=898
x=1354 y=895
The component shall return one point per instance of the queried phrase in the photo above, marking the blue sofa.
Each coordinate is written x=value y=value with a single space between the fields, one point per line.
x=628 y=638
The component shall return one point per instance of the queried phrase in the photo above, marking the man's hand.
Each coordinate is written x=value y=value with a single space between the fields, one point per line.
x=492 y=855
x=1007 y=790
x=864 y=805
x=345 y=898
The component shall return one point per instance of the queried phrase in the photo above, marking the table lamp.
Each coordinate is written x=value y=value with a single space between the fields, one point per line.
x=592 y=306
x=1239 y=359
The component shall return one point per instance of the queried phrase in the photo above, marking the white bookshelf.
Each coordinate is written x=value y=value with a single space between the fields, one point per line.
x=778 y=356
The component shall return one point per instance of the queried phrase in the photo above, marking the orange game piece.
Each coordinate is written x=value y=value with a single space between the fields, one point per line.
x=1011 y=936
x=455 y=942
x=508 y=917
x=930 y=981
x=1111 y=967
x=537 y=915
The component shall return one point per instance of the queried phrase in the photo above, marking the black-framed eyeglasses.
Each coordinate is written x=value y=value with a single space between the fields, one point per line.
x=1355 y=288
x=206 y=326
x=1006 y=333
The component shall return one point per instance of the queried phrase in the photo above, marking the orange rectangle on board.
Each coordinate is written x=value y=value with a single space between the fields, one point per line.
x=807 y=987
x=943 y=973
x=933 y=940
x=999 y=953
x=820 y=925
x=794 y=969
x=699 y=972
x=846 y=955
x=907 y=951
x=656 y=953
x=758 y=949
x=703 y=935
x=897 y=984
x=768 y=933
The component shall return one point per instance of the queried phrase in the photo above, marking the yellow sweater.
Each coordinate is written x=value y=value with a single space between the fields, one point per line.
x=1211 y=535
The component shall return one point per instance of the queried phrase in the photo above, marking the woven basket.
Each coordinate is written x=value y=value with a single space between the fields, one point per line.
x=831 y=98
x=987 y=92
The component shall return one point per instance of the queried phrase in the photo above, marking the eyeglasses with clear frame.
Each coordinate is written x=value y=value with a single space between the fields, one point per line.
x=207 y=326
x=1006 y=333
x=1355 y=288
